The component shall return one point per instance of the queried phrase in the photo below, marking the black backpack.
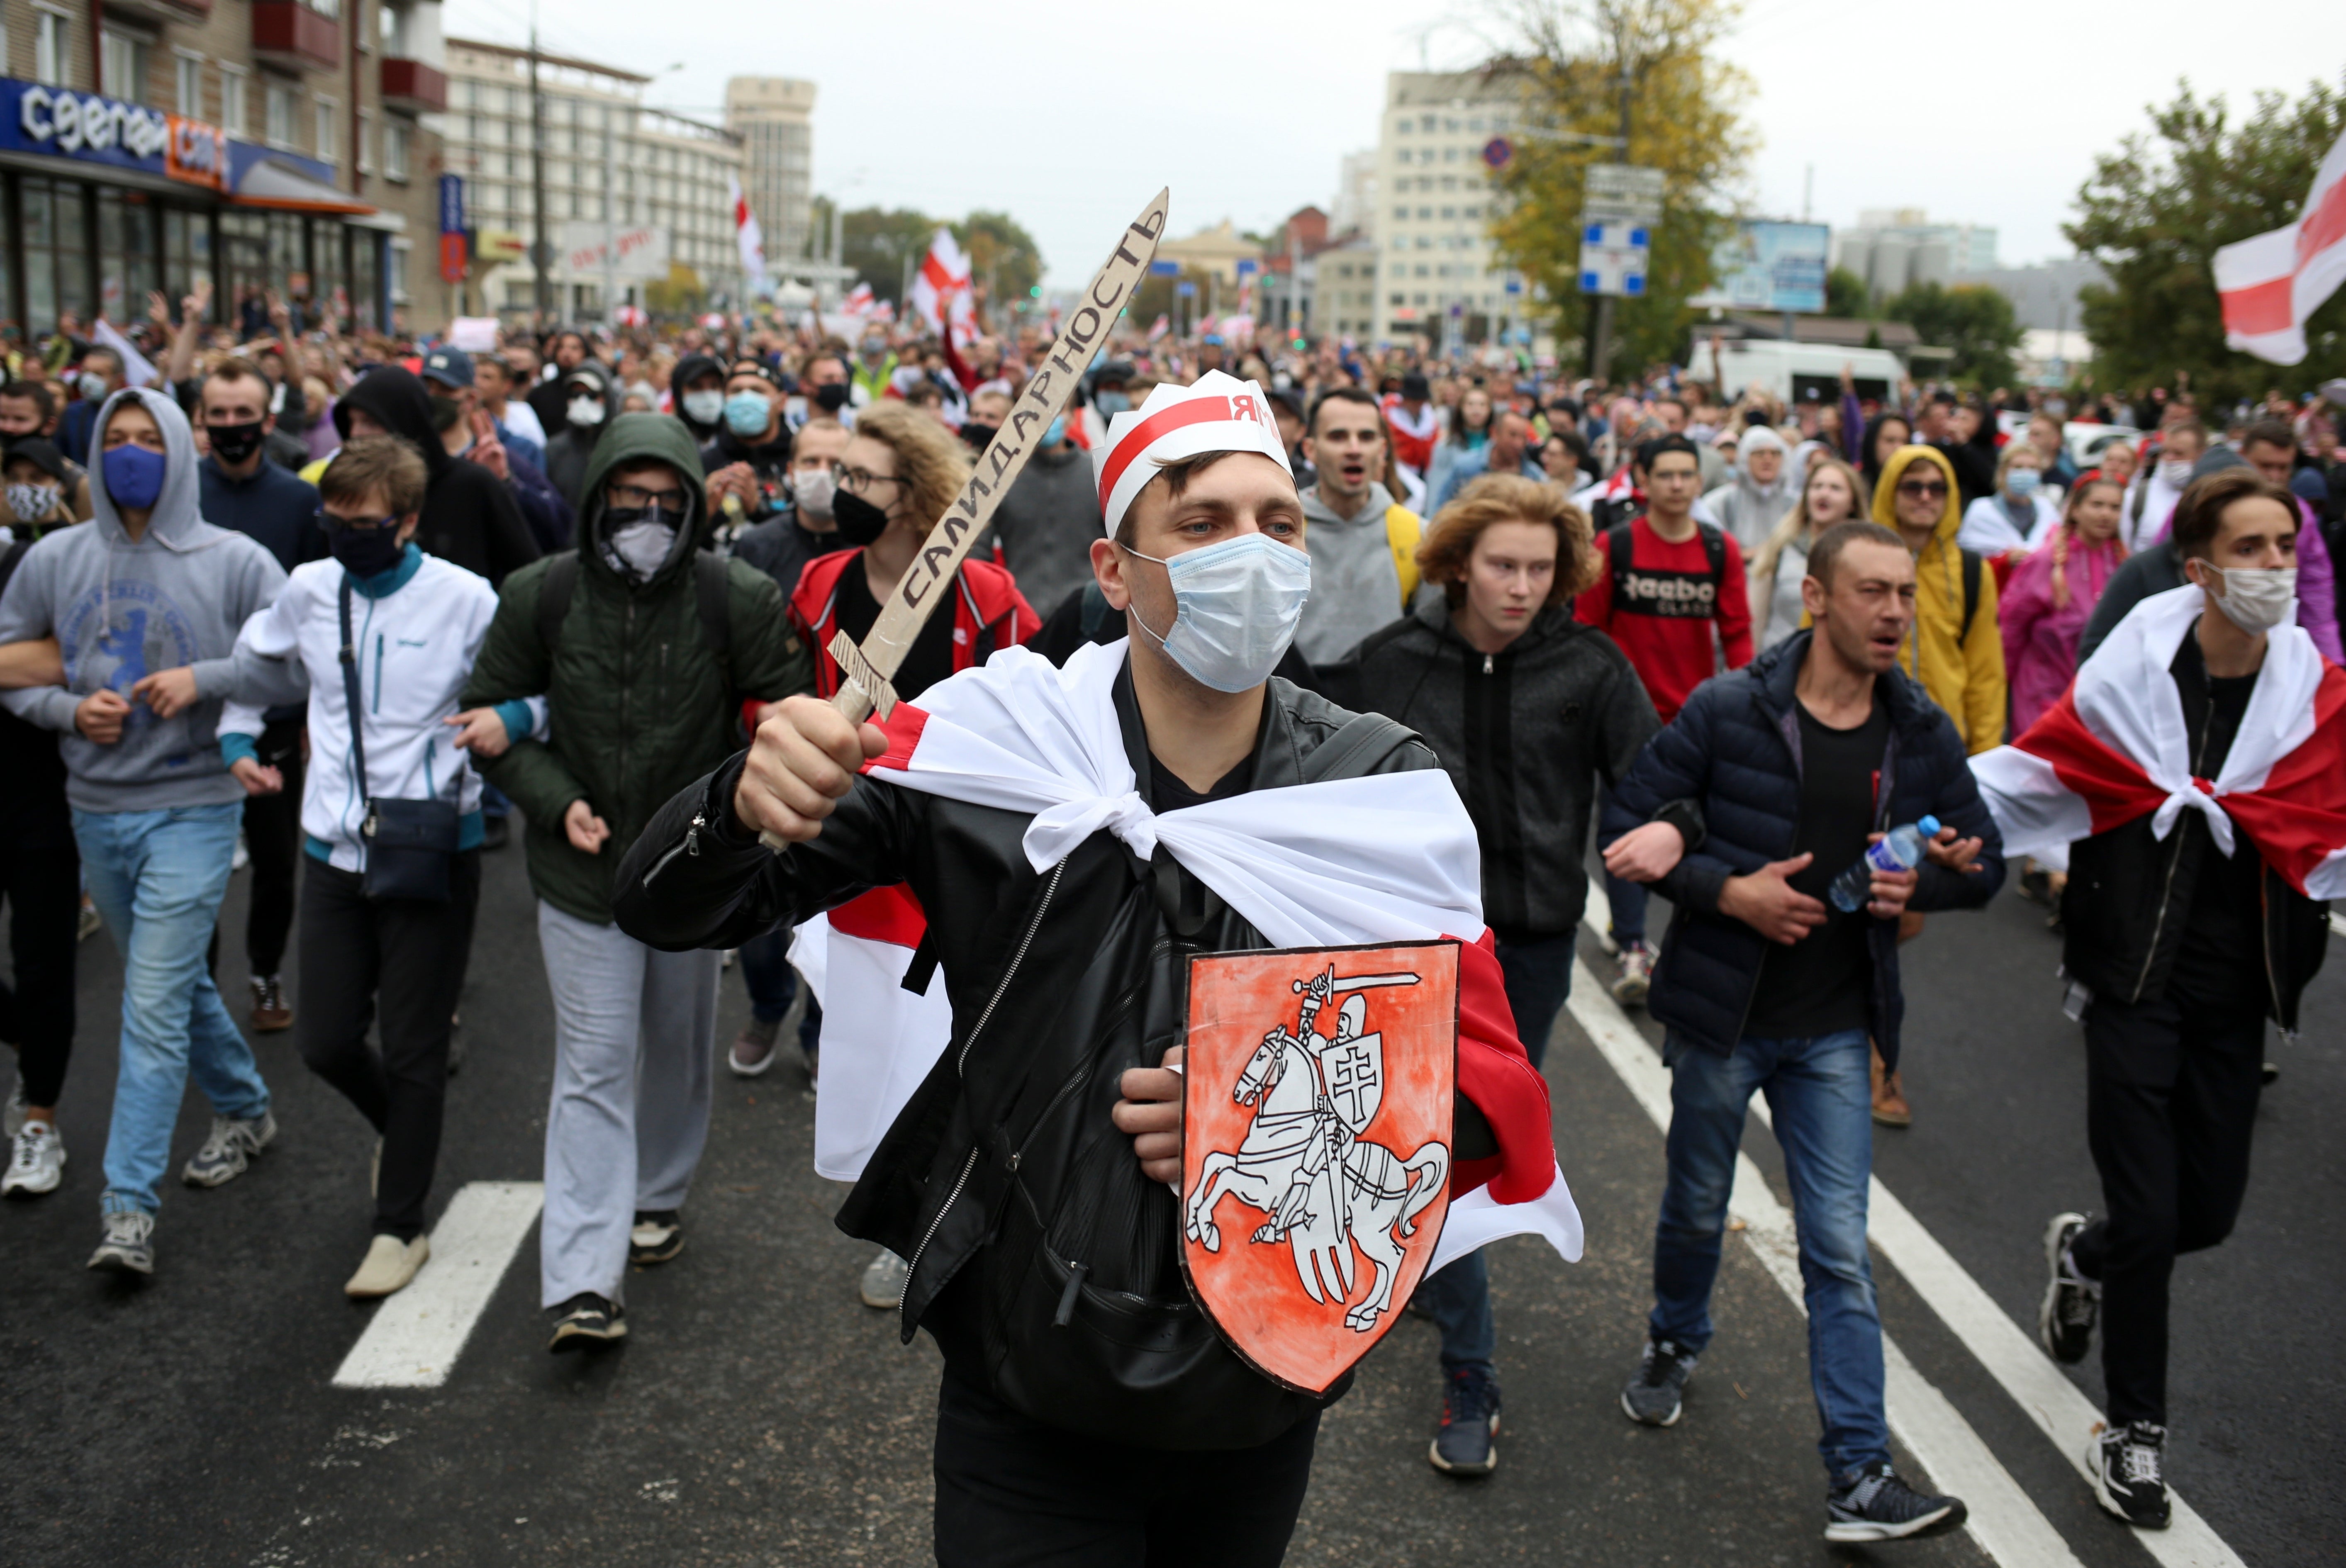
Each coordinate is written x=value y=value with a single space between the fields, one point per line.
x=708 y=593
x=1621 y=543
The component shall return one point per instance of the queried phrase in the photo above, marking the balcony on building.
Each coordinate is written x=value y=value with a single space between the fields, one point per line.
x=412 y=85
x=293 y=35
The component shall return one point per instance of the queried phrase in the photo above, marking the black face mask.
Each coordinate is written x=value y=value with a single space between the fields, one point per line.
x=979 y=436
x=365 y=552
x=445 y=412
x=859 y=521
x=233 y=443
x=833 y=397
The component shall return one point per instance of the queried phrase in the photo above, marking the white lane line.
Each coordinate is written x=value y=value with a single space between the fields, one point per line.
x=2004 y=1520
x=2008 y=1351
x=2338 y=924
x=417 y=1335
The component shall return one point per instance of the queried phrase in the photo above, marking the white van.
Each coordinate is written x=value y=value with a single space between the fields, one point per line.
x=1794 y=372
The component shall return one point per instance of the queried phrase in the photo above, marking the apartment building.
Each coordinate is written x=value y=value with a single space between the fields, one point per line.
x=1433 y=194
x=773 y=116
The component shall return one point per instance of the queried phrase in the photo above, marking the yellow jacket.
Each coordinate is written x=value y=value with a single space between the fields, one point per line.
x=1963 y=672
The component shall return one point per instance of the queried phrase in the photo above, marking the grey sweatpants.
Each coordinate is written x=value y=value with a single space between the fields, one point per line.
x=635 y=1048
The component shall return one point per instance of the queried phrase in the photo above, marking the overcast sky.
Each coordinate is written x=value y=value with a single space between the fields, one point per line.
x=1072 y=115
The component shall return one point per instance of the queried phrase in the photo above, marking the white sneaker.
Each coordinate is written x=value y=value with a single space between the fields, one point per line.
x=389 y=1265
x=129 y=1244
x=243 y=856
x=229 y=1149
x=883 y=1287
x=1637 y=976
x=37 y=1165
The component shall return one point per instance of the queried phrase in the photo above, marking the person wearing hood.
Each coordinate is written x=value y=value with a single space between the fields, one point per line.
x=646 y=647
x=469 y=518
x=550 y=398
x=1956 y=647
x=748 y=463
x=1362 y=543
x=466 y=430
x=1763 y=489
x=697 y=388
x=588 y=404
x=147 y=588
x=1525 y=707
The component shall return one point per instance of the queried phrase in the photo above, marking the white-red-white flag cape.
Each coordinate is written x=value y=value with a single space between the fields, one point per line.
x=1383 y=859
x=2115 y=748
x=2269 y=284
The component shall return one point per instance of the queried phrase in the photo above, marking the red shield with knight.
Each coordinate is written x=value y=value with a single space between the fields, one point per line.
x=1318 y=1095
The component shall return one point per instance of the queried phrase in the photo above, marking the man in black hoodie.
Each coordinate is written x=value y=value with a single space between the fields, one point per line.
x=748 y=462
x=697 y=387
x=469 y=518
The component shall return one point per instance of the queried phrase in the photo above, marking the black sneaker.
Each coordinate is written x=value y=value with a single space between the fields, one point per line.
x=2064 y=1318
x=1470 y=1419
x=1653 y=1395
x=2128 y=1465
x=587 y=1321
x=1879 y=1506
x=658 y=1235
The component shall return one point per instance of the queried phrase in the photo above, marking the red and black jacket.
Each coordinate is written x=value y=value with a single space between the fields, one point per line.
x=988 y=611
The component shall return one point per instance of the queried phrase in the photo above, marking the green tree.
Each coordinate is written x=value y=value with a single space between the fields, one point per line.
x=1002 y=255
x=2156 y=210
x=679 y=295
x=1571 y=59
x=875 y=241
x=1973 y=319
x=1846 y=295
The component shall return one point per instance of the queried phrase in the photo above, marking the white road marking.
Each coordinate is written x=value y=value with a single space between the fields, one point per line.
x=2338 y=924
x=2003 y=1518
x=417 y=1335
x=2009 y=1352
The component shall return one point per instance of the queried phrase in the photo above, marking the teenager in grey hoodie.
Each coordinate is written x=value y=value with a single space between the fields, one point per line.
x=1356 y=585
x=146 y=587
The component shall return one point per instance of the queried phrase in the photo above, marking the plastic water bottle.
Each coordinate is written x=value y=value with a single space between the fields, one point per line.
x=1900 y=850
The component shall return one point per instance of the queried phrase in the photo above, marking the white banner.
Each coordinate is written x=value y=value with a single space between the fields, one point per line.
x=639 y=251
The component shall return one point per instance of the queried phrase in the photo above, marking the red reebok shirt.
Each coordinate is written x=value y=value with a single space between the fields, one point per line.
x=1665 y=618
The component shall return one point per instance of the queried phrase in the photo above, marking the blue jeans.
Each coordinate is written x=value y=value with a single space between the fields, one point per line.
x=1818 y=1092
x=157 y=878
x=1628 y=899
x=1539 y=978
x=773 y=985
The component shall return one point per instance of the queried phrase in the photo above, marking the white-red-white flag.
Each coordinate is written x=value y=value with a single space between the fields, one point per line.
x=879 y=1040
x=2115 y=748
x=940 y=287
x=1159 y=327
x=858 y=303
x=749 y=238
x=2271 y=284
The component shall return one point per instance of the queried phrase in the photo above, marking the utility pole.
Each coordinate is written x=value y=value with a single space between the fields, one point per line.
x=610 y=220
x=540 y=252
x=1601 y=345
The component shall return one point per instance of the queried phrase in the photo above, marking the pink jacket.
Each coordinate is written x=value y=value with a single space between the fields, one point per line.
x=2040 y=637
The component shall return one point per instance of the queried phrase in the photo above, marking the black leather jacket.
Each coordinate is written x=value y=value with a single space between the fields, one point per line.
x=1043 y=1261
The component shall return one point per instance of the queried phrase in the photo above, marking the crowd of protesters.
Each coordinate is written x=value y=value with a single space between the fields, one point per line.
x=339 y=603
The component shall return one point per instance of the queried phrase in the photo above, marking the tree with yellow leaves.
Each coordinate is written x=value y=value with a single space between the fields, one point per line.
x=1584 y=66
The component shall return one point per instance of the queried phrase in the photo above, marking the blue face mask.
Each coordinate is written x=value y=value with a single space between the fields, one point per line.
x=134 y=475
x=1111 y=404
x=746 y=413
x=1056 y=432
x=2022 y=483
x=1235 y=605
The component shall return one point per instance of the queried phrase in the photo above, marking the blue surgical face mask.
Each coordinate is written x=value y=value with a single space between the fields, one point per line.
x=2022 y=483
x=1235 y=608
x=747 y=413
x=1057 y=431
x=134 y=475
x=707 y=405
x=1111 y=404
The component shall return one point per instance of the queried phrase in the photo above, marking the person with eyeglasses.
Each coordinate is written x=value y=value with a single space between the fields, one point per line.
x=412 y=624
x=649 y=648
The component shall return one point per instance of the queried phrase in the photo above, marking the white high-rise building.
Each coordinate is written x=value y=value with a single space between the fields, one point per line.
x=1433 y=198
x=773 y=116
x=662 y=170
x=1355 y=206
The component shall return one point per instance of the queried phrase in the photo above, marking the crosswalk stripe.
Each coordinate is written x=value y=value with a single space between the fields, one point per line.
x=416 y=1336
x=2018 y=1364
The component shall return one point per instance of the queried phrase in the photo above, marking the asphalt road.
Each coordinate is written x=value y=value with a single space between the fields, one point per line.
x=760 y=1415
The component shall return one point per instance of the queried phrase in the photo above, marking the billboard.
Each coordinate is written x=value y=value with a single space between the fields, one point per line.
x=638 y=252
x=1768 y=266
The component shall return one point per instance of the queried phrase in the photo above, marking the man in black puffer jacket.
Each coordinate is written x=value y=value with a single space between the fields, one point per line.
x=470 y=519
x=1797 y=760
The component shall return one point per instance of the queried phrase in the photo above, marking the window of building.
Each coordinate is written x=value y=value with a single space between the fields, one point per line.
x=232 y=101
x=394 y=150
x=1451 y=125
x=1425 y=124
x=1399 y=300
x=51 y=52
x=189 y=84
x=1420 y=297
x=392 y=23
x=126 y=66
x=325 y=142
x=366 y=142
x=1450 y=155
x=1475 y=124
x=395 y=271
x=1422 y=270
x=277 y=105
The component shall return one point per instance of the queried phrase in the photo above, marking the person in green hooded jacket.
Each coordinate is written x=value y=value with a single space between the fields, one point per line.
x=650 y=651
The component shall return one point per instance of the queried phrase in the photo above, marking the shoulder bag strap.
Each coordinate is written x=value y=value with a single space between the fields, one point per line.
x=350 y=698
x=554 y=599
x=1361 y=743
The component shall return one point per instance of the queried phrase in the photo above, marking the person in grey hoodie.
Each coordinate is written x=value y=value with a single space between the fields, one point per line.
x=1362 y=541
x=145 y=587
x=1751 y=503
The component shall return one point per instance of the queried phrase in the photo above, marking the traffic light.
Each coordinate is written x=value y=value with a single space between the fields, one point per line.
x=1035 y=292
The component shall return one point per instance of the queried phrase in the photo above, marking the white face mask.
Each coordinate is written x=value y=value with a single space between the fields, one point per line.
x=585 y=411
x=706 y=406
x=644 y=546
x=2175 y=471
x=2255 y=598
x=811 y=489
x=1235 y=607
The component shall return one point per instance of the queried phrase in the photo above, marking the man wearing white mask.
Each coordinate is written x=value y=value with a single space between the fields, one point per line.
x=588 y=404
x=1755 y=499
x=1047 y=822
x=2160 y=485
x=2194 y=775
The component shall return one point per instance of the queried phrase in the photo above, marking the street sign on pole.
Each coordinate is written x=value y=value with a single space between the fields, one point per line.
x=1621 y=190
x=454 y=247
x=1613 y=257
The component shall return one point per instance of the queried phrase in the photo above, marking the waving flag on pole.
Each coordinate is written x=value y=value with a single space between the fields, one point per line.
x=749 y=238
x=1159 y=327
x=2272 y=283
x=941 y=285
x=858 y=303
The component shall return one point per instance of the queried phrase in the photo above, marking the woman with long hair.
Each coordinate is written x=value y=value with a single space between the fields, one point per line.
x=1470 y=427
x=1832 y=496
x=1886 y=434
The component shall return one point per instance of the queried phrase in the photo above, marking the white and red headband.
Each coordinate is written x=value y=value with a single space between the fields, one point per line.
x=1220 y=414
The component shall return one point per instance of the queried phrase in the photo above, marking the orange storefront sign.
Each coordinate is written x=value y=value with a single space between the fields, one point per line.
x=194 y=152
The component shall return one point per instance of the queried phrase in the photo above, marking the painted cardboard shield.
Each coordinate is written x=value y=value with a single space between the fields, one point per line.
x=1315 y=1160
